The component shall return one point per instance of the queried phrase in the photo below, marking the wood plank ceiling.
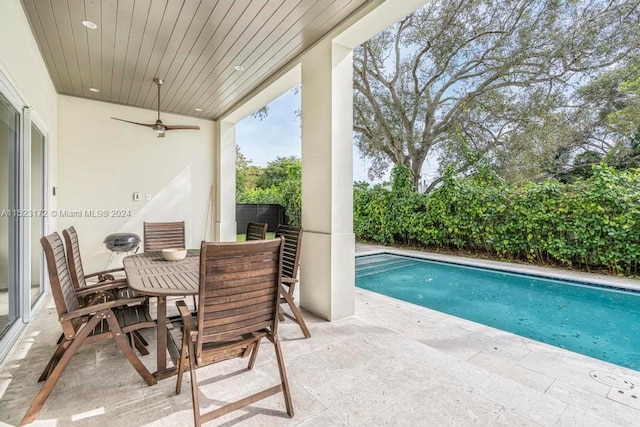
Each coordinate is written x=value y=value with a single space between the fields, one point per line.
x=194 y=45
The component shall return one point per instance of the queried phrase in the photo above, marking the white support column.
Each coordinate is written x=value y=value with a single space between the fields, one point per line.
x=225 y=184
x=327 y=267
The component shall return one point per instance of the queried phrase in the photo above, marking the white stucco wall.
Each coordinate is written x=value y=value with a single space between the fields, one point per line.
x=25 y=80
x=102 y=162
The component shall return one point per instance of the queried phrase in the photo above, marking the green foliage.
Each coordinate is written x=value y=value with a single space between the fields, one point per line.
x=590 y=223
x=291 y=190
x=279 y=170
x=285 y=176
x=247 y=176
x=260 y=195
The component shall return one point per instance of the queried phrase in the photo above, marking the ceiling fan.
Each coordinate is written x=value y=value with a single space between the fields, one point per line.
x=159 y=127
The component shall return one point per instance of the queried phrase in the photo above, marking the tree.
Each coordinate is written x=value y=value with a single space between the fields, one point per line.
x=461 y=78
x=605 y=124
x=278 y=171
x=613 y=104
x=241 y=171
x=247 y=175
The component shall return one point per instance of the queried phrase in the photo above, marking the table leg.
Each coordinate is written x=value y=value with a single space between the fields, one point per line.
x=163 y=336
x=162 y=370
x=162 y=333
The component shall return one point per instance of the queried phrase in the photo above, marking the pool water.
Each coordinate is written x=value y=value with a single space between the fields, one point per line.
x=595 y=321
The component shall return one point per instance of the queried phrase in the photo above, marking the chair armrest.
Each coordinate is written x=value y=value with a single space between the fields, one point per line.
x=99 y=307
x=187 y=319
x=98 y=273
x=99 y=287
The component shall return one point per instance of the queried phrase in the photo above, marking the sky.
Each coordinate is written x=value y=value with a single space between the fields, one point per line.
x=278 y=135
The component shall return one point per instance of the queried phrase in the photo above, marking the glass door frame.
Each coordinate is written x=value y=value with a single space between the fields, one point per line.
x=24 y=222
x=43 y=167
x=14 y=308
x=20 y=230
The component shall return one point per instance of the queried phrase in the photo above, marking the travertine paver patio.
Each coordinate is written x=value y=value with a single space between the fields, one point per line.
x=393 y=363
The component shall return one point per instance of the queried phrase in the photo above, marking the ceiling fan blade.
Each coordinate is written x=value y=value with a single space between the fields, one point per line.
x=159 y=127
x=177 y=127
x=135 y=123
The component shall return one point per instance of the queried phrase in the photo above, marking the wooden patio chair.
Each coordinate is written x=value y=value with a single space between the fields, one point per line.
x=238 y=306
x=256 y=231
x=106 y=289
x=85 y=325
x=107 y=283
x=290 y=263
x=163 y=235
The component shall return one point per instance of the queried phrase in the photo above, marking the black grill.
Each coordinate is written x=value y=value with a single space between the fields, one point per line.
x=122 y=242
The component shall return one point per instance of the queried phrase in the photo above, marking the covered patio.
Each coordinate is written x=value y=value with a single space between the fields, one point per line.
x=371 y=360
x=64 y=77
x=393 y=363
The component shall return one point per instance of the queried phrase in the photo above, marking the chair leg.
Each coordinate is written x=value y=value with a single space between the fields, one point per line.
x=42 y=396
x=283 y=377
x=120 y=339
x=194 y=388
x=254 y=355
x=182 y=361
x=296 y=313
x=55 y=358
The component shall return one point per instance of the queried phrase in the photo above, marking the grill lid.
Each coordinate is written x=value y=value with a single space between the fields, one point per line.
x=122 y=242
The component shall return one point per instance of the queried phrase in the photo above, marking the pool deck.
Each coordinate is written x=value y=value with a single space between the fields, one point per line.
x=392 y=363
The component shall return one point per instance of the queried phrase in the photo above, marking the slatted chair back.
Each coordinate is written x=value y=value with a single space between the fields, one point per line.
x=291 y=253
x=238 y=289
x=73 y=256
x=256 y=231
x=290 y=263
x=163 y=235
x=64 y=293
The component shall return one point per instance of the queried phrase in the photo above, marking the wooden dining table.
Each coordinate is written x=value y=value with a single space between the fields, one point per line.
x=149 y=274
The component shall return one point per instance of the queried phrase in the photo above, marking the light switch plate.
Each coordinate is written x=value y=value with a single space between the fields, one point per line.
x=136 y=197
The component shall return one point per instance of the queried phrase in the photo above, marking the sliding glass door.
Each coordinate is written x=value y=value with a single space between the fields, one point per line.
x=9 y=138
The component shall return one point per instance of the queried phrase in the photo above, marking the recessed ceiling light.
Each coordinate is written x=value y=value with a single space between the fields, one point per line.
x=90 y=25
x=198 y=109
x=93 y=89
x=239 y=68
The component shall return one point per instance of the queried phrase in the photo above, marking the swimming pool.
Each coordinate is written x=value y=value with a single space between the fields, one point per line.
x=596 y=321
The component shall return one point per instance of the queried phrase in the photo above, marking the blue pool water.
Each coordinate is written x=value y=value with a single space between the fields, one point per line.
x=595 y=321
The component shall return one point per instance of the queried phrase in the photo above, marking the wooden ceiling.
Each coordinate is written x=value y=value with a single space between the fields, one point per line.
x=194 y=45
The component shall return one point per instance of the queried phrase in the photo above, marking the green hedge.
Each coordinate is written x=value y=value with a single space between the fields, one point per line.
x=592 y=223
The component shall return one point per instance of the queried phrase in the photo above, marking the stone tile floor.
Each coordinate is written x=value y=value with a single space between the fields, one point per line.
x=393 y=363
